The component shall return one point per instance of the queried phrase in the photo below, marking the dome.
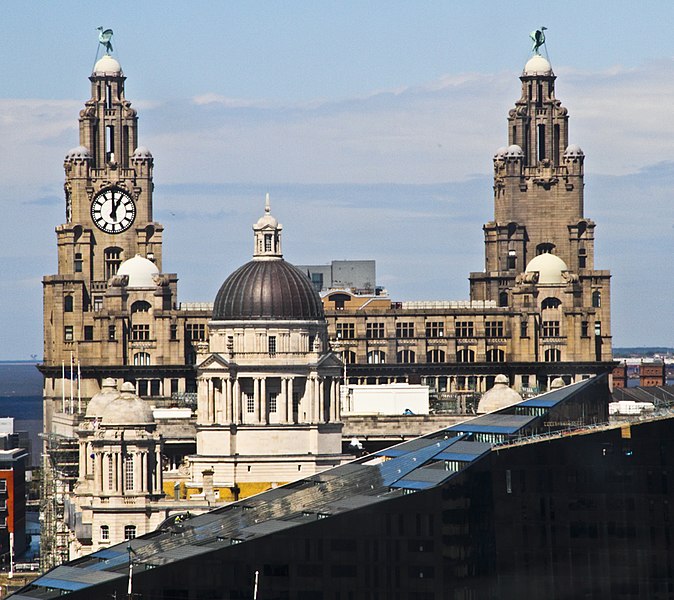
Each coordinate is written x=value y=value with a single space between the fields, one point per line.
x=78 y=152
x=498 y=396
x=267 y=289
x=99 y=401
x=573 y=151
x=127 y=409
x=107 y=66
x=141 y=152
x=557 y=383
x=537 y=65
x=140 y=271
x=514 y=151
x=550 y=269
x=501 y=152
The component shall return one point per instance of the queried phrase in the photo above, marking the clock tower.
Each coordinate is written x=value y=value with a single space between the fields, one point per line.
x=108 y=220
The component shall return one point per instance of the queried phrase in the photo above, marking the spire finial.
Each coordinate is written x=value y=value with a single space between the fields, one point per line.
x=267 y=208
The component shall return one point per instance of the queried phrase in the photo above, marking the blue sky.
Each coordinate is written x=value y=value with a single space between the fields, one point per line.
x=372 y=125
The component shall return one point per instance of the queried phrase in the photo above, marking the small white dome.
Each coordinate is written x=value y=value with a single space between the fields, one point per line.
x=140 y=271
x=550 y=269
x=573 y=151
x=537 y=65
x=499 y=396
x=266 y=220
x=78 y=152
x=107 y=66
x=142 y=152
x=127 y=409
x=514 y=151
x=557 y=383
x=501 y=152
x=99 y=401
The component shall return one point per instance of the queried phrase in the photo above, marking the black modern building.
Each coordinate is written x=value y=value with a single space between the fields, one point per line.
x=542 y=499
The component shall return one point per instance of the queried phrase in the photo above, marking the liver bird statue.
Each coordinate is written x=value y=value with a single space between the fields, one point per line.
x=104 y=37
x=538 y=37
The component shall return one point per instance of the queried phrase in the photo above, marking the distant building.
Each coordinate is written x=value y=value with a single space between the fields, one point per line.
x=12 y=500
x=652 y=373
x=356 y=275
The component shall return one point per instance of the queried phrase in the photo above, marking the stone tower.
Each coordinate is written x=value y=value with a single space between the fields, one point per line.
x=539 y=209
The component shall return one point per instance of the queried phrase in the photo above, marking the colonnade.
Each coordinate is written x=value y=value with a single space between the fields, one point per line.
x=109 y=474
x=257 y=399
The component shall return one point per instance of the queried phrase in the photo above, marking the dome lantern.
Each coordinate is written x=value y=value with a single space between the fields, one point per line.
x=267 y=232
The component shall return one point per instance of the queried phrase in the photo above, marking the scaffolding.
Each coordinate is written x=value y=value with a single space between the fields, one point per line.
x=60 y=464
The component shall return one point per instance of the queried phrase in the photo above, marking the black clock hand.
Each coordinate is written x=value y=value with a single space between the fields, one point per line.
x=115 y=206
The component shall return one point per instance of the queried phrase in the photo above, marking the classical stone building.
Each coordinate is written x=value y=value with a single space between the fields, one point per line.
x=539 y=310
x=268 y=385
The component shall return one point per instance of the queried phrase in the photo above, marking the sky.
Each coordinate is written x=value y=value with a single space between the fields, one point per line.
x=372 y=124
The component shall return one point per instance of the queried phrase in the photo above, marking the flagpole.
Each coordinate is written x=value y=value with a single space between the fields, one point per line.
x=79 y=388
x=71 y=383
x=63 y=386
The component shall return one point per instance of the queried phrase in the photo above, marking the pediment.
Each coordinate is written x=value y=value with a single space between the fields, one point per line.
x=330 y=360
x=214 y=362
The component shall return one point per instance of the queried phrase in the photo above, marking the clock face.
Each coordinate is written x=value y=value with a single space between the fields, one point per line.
x=113 y=211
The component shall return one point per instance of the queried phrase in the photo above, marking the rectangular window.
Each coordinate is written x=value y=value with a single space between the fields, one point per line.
x=140 y=333
x=346 y=331
x=550 y=329
x=3 y=485
x=68 y=333
x=271 y=343
x=374 y=331
x=105 y=532
x=88 y=333
x=272 y=402
x=78 y=262
x=250 y=403
x=494 y=329
x=98 y=303
x=405 y=330
x=524 y=329
x=195 y=332
x=173 y=332
x=435 y=329
x=585 y=329
x=464 y=329
x=111 y=333
x=128 y=472
x=267 y=242
x=512 y=259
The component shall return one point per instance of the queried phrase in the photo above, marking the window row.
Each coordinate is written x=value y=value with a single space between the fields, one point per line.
x=465 y=355
x=434 y=329
x=129 y=532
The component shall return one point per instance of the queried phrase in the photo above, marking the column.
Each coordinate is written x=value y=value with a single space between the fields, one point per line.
x=119 y=469
x=98 y=481
x=311 y=384
x=282 y=403
x=228 y=400
x=290 y=406
x=202 y=399
x=256 y=399
x=264 y=416
x=158 y=475
x=321 y=400
x=333 y=400
x=236 y=401
x=209 y=410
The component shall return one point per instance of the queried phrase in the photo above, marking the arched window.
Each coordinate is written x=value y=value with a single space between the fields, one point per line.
x=553 y=355
x=551 y=303
x=129 y=532
x=545 y=248
x=141 y=358
x=140 y=307
x=495 y=355
x=435 y=356
x=349 y=357
x=503 y=299
x=375 y=357
x=113 y=258
x=406 y=356
x=465 y=355
x=596 y=299
x=105 y=532
x=68 y=303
